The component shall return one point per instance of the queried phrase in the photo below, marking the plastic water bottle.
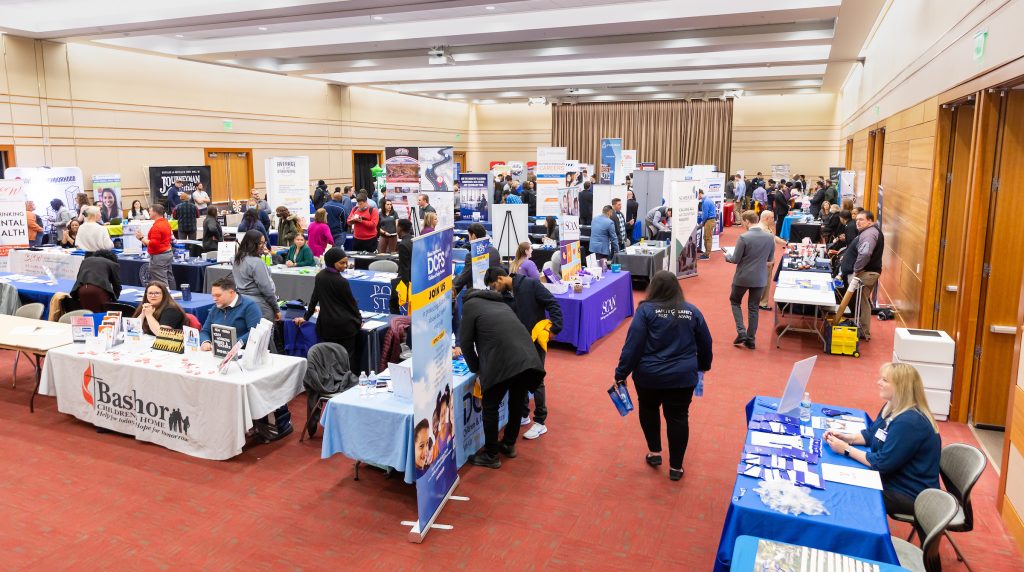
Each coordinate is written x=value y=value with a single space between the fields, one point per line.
x=363 y=380
x=805 y=408
x=372 y=383
x=699 y=390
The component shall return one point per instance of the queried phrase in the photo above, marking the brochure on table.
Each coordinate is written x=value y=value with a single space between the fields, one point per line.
x=288 y=185
x=685 y=230
x=432 y=387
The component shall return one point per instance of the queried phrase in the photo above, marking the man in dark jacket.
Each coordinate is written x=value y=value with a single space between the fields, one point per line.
x=530 y=300
x=817 y=199
x=336 y=217
x=320 y=195
x=499 y=350
x=870 y=246
x=587 y=203
x=186 y=214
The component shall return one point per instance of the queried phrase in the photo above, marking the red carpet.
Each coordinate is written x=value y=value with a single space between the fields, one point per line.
x=580 y=497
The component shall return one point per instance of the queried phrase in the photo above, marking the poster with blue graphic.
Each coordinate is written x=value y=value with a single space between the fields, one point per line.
x=432 y=390
x=611 y=158
x=474 y=190
x=481 y=259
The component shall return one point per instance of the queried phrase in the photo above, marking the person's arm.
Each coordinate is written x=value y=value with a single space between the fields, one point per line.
x=467 y=342
x=115 y=280
x=636 y=339
x=465 y=278
x=545 y=298
x=865 y=247
x=204 y=333
x=264 y=283
x=108 y=243
x=705 y=348
x=737 y=253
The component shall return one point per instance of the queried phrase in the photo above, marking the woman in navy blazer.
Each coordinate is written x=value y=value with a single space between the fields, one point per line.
x=668 y=343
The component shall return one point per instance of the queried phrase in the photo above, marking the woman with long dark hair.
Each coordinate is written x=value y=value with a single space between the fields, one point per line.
x=551 y=228
x=138 y=212
x=159 y=310
x=109 y=208
x=251 y=221
x=212 y=231
x=667 y=347
x=252 y=277
x=387 y=228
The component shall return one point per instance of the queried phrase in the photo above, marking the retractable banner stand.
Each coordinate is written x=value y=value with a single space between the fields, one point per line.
x=106 y=191
x=685 y=230
x=551 y=176
x=287 y=181
x=475 y=191
x=846 y=187
x=480 y=258
x=611 y=157
x=13 y=221
x=402 y=178
x=161 y=179
x=518 y=170
x=432 y=389
x=437 y=182
x=603 y=195
x=834 y=174
x=569 y=215
x=43 y=184
x=714 y=191
x=628 y=164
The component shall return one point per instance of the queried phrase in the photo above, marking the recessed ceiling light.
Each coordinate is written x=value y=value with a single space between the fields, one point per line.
x=178 y=36
x=262 y=28
x=378 y=18
x=489 y=8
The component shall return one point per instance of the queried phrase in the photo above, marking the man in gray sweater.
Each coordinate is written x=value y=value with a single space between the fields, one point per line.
x=754 y=249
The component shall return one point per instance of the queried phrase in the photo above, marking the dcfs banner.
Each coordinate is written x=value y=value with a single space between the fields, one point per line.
x=13 y=223
x=288 y=185
x=43 y=184
x=161 y=179
x=685 y=231
x=432 y=390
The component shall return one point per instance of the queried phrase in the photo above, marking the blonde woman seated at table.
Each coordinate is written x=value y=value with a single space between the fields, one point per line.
x=92 y=235
x=159 y=310
x=522 y=263
x=903 y=442
x=299 y=254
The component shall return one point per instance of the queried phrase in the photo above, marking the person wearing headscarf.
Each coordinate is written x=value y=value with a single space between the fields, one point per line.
x=339 y=319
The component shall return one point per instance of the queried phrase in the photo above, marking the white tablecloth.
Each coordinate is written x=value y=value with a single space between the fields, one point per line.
x=174 y=400
x=62 y=264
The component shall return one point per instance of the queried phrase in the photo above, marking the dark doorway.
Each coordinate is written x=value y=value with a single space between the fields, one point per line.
x=362 y=162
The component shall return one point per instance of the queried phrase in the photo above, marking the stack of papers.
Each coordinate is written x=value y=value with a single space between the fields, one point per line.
x=852 y=476
x=771 y=440
x=844 y=424
x=778 y=556
x=787 y=452
x=800 y=478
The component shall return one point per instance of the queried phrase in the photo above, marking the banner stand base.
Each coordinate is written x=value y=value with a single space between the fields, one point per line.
x=416 y=535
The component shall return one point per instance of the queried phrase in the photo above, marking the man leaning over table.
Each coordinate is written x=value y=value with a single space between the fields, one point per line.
x=158 y=245
x=242 y=314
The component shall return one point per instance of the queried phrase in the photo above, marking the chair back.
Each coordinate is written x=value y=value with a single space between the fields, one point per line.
x=66 y=318
x=126 y=309
x=933 y=510
x=960 y=467
x=10 y=301
x=459 y=254
x=33 y=311
x=384 y=266
x=193 y=322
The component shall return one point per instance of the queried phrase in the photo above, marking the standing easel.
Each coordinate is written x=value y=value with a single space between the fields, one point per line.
x=508 y=233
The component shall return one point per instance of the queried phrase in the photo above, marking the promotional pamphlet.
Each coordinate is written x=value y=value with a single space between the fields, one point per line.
x=82 y=328
x=223 y=339
x=168 y=340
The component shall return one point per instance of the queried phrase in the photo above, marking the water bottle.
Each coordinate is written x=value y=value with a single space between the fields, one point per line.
x=186 y=293
x=372 y=383
x=699 y=390
x=805 y=408
x=363 y=380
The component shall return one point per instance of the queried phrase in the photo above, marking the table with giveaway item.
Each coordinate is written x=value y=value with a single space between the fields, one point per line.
x=372 y=290
x=596 y=311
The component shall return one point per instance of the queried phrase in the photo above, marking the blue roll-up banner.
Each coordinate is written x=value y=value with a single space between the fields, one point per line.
x=432 y=390
x=611 y=157
x=481 y=259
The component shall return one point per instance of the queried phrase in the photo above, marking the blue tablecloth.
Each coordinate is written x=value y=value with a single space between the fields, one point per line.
x=857 y=525
x=298 y=340
x=787 y=223
x=30 y=292
x=134 y=271
x=745 y=553
x=378 y=429
x=595 y=312
x=371 y=295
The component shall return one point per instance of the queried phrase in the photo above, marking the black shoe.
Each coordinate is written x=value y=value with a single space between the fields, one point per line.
x=485 y=460
x=675 y=474
x=653 y=460
x=508 y=450
x=749 y=343
x=740 y=340
x=765 y=307
x=705 y=257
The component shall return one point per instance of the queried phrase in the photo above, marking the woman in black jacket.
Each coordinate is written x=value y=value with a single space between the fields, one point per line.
x=667 y=346
x=212 y=232
x=339 y=320
x=98 y=281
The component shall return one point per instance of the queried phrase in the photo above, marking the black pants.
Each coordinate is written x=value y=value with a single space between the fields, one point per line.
x=607 y=257
x=540 y=398
x=348 y=342
x=368 y=245
x=516 y=388
x=897 y=502
x=753 y=298
x=675 y=403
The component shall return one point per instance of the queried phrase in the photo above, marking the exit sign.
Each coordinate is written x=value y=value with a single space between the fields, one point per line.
x=980 y=39
x=228 y=125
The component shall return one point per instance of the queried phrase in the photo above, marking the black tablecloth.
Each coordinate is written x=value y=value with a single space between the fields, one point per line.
x=799 y=230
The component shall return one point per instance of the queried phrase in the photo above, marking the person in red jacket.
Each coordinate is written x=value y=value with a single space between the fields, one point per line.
x=158 y=245
x=363 y=222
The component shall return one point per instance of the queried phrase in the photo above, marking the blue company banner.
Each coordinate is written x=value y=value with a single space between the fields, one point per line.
x=480 y=255
x=474 y=189
x=611 y=157
x=432 y=391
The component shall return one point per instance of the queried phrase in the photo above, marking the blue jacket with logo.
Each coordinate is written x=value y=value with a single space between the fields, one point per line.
x=665 y=347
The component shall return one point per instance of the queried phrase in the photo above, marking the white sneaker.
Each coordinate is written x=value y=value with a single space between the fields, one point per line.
x=524 y=421
x=536 y=431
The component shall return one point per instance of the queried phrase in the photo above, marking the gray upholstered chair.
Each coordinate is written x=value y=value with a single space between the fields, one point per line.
x=933 y=511
x=384 y=266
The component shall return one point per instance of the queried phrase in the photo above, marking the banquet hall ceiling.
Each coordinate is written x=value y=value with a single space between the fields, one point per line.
x=496 y=51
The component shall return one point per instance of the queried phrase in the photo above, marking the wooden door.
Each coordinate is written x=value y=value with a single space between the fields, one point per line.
x=1002 y=269
x=460 y=158
x=6 y=158
x=231 y=175
x=954 y=221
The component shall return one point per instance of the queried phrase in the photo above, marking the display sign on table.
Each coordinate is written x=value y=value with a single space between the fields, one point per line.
x=130 y=244
x=402 y=178
x=648 y=166
x=161 y=179
x=287 y=181
x=714 y=191
x=551 y=176
x=685 y=231
x=569 y=214
x=628 y=163
x=432 y=387
x=571 y=260
x=611 y=158
x=474 y=188
x=43 y=184
x=13 y=220
x=480 y=256
x=106 y=191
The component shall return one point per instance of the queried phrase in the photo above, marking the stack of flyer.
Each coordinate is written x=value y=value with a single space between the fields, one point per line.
x=257 y=350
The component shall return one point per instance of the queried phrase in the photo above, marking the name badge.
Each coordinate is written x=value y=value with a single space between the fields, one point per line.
x=881 y=434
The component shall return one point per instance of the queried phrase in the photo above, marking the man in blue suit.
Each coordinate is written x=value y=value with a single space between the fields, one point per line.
x=604 y=241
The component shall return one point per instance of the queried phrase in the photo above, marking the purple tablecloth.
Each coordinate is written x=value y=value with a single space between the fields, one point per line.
x=595 y=312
